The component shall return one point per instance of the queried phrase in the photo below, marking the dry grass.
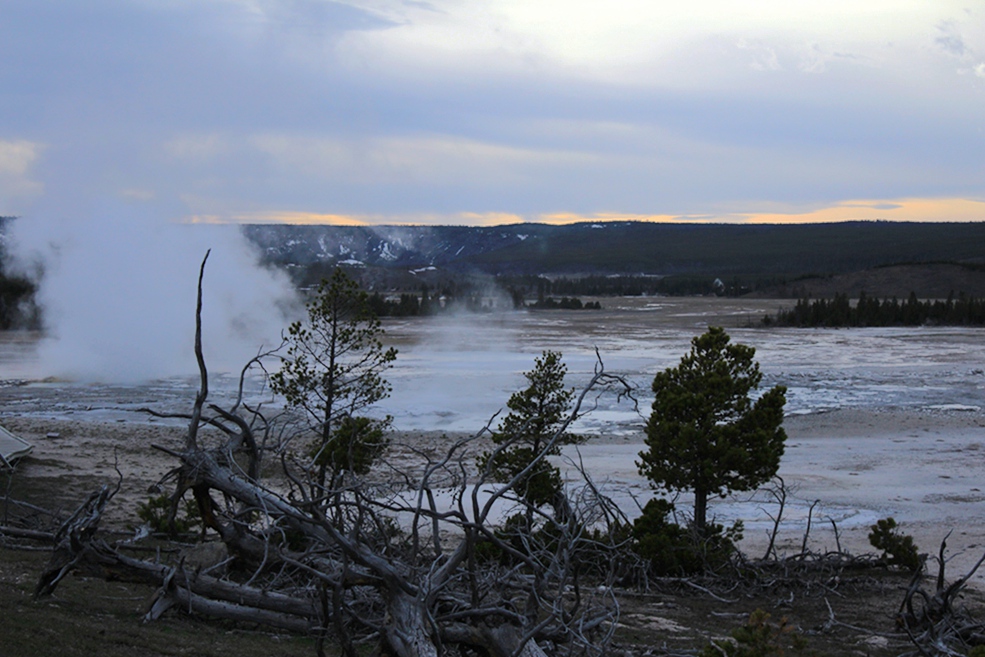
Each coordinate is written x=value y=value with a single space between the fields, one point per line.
x=89 y=616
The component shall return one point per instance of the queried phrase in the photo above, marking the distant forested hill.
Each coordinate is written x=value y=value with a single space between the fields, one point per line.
x=17 y=306
x=926 y=281
x=719 y=250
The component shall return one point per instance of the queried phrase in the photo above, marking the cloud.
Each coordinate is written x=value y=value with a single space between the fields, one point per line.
x=138 y=194
x=764 y=57
x=435 y=159
x=649 y=44
x=197 y=147
x=964 y=40
x=814 y=60
x=950 y=41
x=17 y=159
x=470 y=109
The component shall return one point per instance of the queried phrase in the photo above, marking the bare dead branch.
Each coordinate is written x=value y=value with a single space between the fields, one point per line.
x=203 y=391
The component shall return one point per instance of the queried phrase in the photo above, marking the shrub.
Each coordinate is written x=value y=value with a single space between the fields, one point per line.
x=898 y=549
x=154 y=512
x=355 y=444
x=595 y=550
x=672 y=549
x=758 y=638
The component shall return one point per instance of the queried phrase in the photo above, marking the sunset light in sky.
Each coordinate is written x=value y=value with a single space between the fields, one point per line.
x=493 y=111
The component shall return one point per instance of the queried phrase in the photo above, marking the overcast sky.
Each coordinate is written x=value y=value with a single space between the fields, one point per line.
x=488 y=111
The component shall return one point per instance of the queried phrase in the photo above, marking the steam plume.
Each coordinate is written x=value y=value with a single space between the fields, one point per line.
x=118 y=296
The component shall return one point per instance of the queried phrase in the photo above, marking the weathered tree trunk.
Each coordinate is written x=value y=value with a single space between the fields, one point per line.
x=700 y=509
x=407 y=632
x=98 y=557
x=496 y=641
x=204 y=606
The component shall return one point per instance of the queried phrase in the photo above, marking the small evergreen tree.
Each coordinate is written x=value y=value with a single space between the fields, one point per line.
x=898 y=549
x=531 y=431
x=332 y=371
x=705 y=433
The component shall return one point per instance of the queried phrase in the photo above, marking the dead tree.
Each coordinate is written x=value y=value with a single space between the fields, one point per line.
x=417 y=564
x=934 y=621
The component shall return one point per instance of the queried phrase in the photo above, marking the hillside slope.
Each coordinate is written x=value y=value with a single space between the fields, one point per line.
x=626 y=247
x=927 y=281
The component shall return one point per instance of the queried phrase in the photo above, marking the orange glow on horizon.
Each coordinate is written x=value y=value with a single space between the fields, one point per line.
x=909 y=209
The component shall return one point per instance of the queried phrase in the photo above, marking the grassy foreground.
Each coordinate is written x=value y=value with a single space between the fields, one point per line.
x=89 y=616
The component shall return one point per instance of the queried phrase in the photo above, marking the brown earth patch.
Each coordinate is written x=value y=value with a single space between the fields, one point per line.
x=929 y=281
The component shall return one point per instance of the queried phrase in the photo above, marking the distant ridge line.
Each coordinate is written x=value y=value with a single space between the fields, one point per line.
x=626 y=247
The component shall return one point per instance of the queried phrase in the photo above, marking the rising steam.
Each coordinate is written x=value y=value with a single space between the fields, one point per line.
x=118 y=296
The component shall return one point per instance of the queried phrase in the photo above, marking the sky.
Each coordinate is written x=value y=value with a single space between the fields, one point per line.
x=493 y=111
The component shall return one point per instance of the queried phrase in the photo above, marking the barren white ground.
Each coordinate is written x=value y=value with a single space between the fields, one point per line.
x=881 y=422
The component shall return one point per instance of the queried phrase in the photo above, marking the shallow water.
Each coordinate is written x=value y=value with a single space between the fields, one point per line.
x=455 y=373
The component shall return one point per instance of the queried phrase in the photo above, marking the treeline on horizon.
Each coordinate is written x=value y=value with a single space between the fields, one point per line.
x=412 y=305
x=635 y=285
x=428 y=303
x=450 y=283
x=869 y=311
x=18 y=309
x=564 y=303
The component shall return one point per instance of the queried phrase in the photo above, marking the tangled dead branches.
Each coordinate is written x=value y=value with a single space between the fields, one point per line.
x=935 y=621
x=415 y=562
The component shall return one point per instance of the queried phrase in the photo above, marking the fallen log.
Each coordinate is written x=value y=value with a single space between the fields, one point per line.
x=29 y=534
x=350 y=571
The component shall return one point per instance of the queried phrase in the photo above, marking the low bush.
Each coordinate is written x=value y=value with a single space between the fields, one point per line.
x=673 y=550
x=759 y=637
x=898 y=549
x=154 y=512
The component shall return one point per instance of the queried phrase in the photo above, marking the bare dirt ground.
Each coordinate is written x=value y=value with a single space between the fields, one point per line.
x=923 y=467
x=927 y=281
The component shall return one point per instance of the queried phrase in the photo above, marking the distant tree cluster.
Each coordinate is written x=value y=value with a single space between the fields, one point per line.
x=409 y=305
x=565 y=303
x=541 y=287
x=17 y=306
x=465 y=298
x=869 y=311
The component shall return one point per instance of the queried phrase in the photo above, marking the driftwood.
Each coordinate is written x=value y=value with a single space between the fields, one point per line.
x=934 y=621
x=30 y=534
x=360 y=560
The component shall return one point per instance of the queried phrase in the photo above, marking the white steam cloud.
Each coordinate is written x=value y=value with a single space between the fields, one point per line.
x=118 y=296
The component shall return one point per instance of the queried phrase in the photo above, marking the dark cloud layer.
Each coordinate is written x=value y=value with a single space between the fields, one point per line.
x=228 y=108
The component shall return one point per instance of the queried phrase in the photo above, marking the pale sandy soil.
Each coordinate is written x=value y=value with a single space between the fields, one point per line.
x=925 y=467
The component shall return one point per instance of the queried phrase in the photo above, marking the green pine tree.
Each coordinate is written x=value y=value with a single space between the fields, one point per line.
x=333 y=370
x=705 y=433
x=531 y=431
